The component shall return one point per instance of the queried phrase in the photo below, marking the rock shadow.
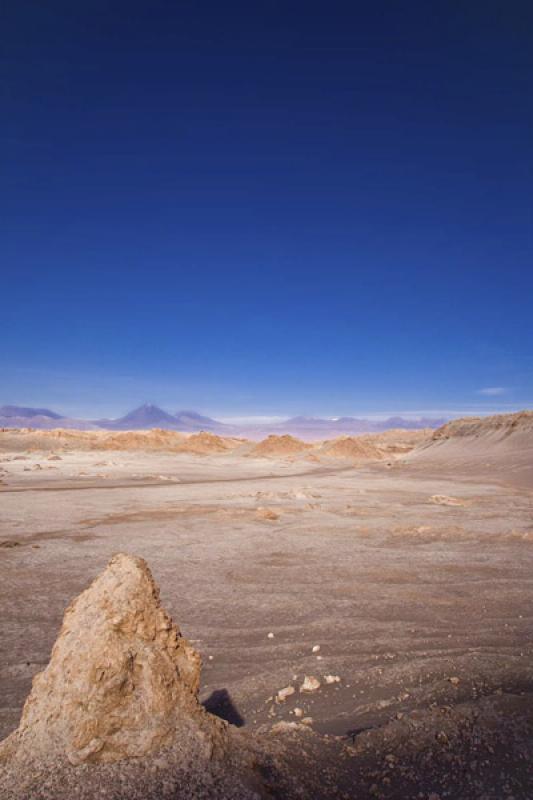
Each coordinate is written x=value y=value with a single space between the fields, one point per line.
x=221 y=705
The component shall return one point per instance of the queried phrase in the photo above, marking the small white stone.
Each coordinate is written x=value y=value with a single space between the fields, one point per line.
x=332 y=678
x=298 y=712
x=316 y=648
x=270 y=635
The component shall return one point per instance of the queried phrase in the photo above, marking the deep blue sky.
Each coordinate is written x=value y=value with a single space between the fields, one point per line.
x=267 y=207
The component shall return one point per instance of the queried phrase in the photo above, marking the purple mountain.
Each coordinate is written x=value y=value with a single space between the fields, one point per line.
x=151 y=416
x=27 y=413
x=145 y=416
x=41 y=418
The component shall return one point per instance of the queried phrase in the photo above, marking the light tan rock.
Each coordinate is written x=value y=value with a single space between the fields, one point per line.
x=444 y=500
x=284 y=693
x=283 y=726
x=121 y=681
x=310 y=684
x=266 y=513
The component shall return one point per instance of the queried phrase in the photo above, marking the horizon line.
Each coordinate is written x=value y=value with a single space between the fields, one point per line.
x=272 y=419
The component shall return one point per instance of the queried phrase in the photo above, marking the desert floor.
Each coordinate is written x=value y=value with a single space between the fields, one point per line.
x=404 y=578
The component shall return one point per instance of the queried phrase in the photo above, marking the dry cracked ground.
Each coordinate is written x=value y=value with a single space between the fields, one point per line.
x=409 y=581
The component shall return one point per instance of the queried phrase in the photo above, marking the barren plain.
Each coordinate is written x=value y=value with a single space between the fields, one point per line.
x=396 y=569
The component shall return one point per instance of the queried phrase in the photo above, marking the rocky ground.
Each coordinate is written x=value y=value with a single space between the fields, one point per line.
x=411 y=585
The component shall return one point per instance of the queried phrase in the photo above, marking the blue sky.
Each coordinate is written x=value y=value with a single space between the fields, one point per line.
x=267 y=208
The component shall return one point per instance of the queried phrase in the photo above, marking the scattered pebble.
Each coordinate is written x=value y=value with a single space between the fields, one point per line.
x=284 y=693
x=270 y=635
x=332 y=678
x=310 y=684
x=316 y=648
x=283 y=725
x=444 y=500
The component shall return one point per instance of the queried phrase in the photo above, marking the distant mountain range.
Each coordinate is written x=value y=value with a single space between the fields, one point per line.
x=141 y=418
x=312 y=428
x=42 y=418
x=151 y=416
x=23 y=411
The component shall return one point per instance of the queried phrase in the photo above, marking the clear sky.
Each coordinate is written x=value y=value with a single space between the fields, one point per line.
x=267 y=207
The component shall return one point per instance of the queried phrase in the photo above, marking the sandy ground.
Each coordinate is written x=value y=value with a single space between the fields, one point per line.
x=405 y=576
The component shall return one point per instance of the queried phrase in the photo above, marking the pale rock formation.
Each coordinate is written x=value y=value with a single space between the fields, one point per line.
x=121 y=682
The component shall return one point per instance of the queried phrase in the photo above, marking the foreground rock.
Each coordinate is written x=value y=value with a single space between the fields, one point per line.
x=121 y=681
x=121 y=686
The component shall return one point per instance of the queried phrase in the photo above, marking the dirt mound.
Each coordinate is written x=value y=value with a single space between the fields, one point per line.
x=355 y=448
x=285 y=445
x=121 y=681
x=205 y=443
x=373 y=446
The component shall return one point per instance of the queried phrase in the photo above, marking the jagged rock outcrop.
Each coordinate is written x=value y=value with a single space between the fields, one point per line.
x=121 y=682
